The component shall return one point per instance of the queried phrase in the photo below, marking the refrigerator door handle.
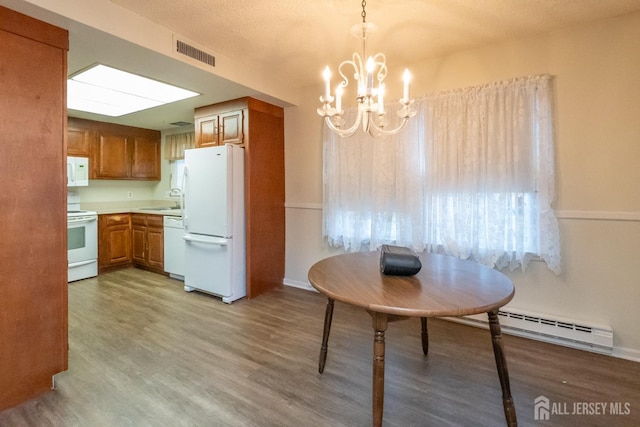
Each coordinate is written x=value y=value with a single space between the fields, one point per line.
x=183 y=188
x=213 y=241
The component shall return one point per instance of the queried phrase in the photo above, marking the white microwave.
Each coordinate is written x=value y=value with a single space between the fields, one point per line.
x=77 y=171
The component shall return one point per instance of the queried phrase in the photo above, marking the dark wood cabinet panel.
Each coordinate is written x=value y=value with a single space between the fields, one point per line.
x=145 y=162
x=117 y=151
x=218 y=128
x=119 y=246
x=231 y=127
x=78 y=141
x=155 y=252
x=206 y=131
x=112 y=157
x=148 y=241
x=138 y=243
x=33 y=292
x=114 y=241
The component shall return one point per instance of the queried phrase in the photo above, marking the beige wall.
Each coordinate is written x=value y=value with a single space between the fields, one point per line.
x=597 y=80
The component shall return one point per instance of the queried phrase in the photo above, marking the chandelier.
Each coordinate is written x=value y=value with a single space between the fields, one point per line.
x=369 y=78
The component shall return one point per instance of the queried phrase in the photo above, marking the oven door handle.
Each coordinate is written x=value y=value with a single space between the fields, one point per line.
x=81 y=219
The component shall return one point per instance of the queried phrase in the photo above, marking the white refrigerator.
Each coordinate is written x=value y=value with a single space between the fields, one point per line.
x=213 y=216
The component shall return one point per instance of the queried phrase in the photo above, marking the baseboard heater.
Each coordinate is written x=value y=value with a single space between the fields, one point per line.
x=560 y=331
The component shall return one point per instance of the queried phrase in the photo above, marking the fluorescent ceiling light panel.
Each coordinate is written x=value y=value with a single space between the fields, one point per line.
x=105 y=90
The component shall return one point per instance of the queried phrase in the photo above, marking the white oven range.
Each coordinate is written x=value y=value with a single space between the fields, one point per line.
x=82 y=244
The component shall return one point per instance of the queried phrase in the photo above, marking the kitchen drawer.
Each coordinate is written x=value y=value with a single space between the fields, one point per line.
x=117 y=219
x=148 y=220
x=155 y=221
x=139 y=219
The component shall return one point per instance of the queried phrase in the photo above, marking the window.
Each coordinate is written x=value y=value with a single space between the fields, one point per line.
x=472 y=176
x=177 y=173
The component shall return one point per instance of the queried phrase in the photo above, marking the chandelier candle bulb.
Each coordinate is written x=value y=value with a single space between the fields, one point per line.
x=406 y=77
x=370 y=68
x=327 y=82
x=380 y=99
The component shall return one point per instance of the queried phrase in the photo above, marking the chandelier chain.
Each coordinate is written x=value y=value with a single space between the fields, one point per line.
x=364 y=12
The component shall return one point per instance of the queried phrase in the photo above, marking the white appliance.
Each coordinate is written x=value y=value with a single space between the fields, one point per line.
x=82 y=240
x=213 y=218
x=174 y=247
x=77 y=171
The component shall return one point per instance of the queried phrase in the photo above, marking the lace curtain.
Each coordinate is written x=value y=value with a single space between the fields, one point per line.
x=174 y=145
x=472 y=175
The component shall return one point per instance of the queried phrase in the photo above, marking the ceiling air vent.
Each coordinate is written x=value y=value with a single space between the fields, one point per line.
x=195 y=53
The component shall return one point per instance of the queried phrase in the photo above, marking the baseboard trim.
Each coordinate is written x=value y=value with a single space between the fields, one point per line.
x=298 y=284
x=626 y=353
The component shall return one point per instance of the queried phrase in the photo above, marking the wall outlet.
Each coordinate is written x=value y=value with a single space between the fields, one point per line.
x=130 y=194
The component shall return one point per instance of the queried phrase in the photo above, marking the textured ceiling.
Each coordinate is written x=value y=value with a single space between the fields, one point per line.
x=291 y=40
x=295 y=39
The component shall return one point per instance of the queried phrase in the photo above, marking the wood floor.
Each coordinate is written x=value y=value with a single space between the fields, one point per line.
x=145 y=353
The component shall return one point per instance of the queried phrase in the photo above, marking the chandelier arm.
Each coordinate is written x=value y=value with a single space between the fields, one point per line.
x=345 y=79
x=345 y=133
x=358 y=68
x=380 y=60
x=382 y=131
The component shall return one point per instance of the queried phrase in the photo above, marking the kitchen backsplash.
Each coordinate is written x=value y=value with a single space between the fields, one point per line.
x=114 y=190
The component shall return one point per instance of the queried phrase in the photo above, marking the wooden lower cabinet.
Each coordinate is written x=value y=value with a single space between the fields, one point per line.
x=114 y=244
x=147 y=239
x=126 y=239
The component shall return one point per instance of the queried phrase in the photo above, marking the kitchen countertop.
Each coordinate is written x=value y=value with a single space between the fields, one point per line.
x=157 y=207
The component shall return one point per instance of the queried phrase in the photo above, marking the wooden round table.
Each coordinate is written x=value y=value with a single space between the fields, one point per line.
x=444 y=287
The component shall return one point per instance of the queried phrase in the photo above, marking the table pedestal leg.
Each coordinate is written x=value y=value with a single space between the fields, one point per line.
x=425 y=336
x=503 y=372
x=379 y=326
x=328 y=315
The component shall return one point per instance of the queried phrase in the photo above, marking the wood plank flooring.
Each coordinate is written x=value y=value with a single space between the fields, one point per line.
x=145 y=353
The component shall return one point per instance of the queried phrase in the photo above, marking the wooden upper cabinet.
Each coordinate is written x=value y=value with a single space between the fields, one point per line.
x=206 y=131
x=78 y=141
x=112 y=157
x=218 y=127
x=231 y=127
x=145 y=162
x=117 y=151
